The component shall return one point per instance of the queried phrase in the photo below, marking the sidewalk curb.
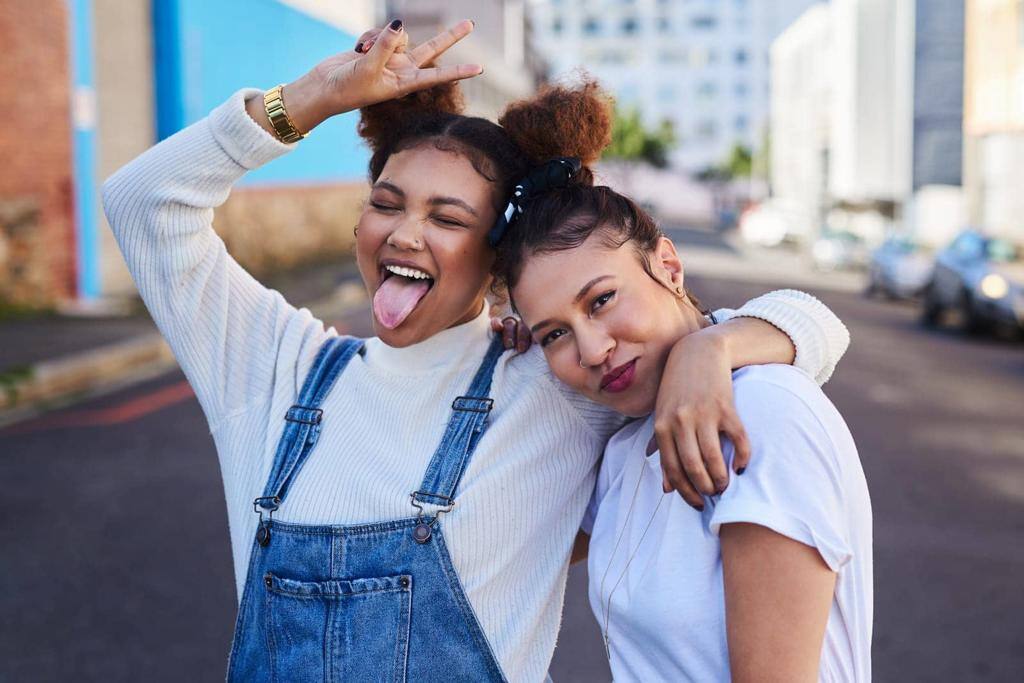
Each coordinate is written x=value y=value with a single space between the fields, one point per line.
x=26 y=392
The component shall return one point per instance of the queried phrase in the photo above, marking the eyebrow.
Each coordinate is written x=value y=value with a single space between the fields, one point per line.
x=454 y=201
x=579 y=296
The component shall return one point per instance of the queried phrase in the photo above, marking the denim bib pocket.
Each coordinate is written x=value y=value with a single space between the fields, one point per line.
x=338 y=629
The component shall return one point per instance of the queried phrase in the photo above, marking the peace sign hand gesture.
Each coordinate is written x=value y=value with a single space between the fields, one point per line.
x=382 y=69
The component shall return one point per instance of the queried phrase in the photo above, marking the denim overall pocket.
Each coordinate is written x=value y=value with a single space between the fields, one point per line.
x=338 y=630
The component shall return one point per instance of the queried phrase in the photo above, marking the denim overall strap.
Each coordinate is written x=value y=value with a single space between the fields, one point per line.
x=467 y=423
x=302 y=426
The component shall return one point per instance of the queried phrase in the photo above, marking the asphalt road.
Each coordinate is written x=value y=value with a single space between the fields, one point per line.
x=115 y=558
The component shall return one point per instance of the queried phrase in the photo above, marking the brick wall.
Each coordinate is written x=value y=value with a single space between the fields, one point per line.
x=37 y=263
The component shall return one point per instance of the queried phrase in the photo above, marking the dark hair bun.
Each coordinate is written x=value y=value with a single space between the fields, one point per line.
x=385 y=121
x=562 y=121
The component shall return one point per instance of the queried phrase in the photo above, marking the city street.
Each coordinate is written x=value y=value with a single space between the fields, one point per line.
x=116 y=558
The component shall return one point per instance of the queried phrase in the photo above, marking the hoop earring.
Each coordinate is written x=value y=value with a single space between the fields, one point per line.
x=355 y=231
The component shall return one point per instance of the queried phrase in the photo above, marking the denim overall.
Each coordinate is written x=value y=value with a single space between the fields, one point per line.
x=368 y=602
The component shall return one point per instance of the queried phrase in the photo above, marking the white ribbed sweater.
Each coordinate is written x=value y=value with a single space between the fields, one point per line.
x=246 y=352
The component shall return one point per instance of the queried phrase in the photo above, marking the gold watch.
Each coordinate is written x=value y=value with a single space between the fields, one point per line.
x=273 y=102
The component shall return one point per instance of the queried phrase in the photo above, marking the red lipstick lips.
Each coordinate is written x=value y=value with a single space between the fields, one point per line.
x=620 y=378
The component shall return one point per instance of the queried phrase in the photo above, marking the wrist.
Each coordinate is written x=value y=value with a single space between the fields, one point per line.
x=713 y=341
x=305 y=103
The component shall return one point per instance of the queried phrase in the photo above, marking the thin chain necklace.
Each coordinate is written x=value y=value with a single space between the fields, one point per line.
x=607 y=602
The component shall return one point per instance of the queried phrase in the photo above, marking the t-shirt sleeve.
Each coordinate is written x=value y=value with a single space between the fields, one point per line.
x=793 y=484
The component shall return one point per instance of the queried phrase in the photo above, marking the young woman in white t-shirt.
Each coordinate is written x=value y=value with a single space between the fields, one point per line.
x=384 y=525
x=769 y=581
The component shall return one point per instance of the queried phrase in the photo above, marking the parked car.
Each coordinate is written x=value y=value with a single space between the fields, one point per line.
x=839 y=250
x=900 y=268
x=981 y=278
x=773 y=222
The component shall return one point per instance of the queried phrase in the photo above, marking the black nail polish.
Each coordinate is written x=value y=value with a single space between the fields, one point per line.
x=395 y=25
x=359 y=46
x=741 y=470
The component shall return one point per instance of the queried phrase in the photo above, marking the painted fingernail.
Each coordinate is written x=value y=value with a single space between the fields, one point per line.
x=395 y=25
x=359 y=46
x=741 y=470
x=698 y=508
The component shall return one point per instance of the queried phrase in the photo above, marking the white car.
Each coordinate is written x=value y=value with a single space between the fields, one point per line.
x=773 y=222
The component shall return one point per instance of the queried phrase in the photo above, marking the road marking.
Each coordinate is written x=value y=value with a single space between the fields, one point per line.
x=127 y=411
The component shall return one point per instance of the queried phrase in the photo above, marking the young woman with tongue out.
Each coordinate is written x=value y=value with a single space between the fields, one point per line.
x=411 y=516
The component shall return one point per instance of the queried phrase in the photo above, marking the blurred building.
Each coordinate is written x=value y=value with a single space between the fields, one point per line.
x=703 y=65
x=802 y=76
x=501 y=42
x=111 y=78
x=994 y=116
x=866 y=116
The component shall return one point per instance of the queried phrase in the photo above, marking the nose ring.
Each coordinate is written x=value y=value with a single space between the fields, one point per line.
x=581 y=363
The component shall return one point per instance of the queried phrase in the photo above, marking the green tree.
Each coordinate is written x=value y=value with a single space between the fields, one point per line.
x=632 y=140
x=740 y=163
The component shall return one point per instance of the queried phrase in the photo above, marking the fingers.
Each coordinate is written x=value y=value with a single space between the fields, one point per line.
x=733 y=428
x=365 y=41
x=388 y=41
x=428 y=78
x=711 y=454
x=508 y=335
x=674 y=475
x=696 y=471
x=430 y=50
x=523 y=338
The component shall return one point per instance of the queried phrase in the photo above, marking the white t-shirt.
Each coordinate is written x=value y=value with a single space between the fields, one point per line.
x=666 y=620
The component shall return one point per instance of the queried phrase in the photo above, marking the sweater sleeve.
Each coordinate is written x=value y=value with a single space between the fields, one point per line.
x=229 y=333
x=819 y=336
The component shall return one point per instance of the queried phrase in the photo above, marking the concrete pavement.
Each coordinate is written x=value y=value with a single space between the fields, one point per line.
x=52 y=361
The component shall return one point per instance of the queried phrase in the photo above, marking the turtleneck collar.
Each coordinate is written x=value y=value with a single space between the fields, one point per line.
x=447 y=348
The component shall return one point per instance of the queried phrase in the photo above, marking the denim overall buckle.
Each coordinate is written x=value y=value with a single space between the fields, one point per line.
x=265 y=504
x=473 y=404
x=422 y=532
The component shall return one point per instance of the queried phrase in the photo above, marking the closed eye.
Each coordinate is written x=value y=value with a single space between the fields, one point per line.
x=451 y=222
x=380 y=206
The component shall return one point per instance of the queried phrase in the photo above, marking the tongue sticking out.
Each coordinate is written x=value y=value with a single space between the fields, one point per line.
x=396 y=298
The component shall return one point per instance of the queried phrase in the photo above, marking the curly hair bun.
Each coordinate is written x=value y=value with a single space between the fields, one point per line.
x=562 y=121
x=386 y=121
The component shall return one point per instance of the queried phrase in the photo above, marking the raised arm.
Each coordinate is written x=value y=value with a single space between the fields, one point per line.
x=231 y=335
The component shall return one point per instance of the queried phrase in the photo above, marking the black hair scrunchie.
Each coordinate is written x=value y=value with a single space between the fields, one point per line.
x=553 y=174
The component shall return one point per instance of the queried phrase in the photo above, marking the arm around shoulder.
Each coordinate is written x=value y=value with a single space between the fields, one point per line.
x=819 y=337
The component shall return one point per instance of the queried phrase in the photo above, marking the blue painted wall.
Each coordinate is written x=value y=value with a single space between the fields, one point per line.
x=87 y=260
x=207 y=50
